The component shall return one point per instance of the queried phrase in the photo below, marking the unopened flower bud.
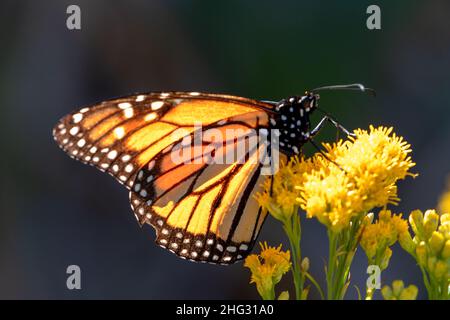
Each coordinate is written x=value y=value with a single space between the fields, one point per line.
x=441 y=269
x=386 y=292
x=397 y=287
x=431 y=263
x=436 y=243
x=305 y=264
x=409 y=293
x=416 y=222
x=430 y=223
x=421 y=253
x=446 y=250
x=407 y=242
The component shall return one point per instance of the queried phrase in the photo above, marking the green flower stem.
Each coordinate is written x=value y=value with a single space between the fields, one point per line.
x=292 y=228
x=436 y=290
x=342 y=248
x=330 y=271
x=446 y=290
x=428 y=284
x=270 y=294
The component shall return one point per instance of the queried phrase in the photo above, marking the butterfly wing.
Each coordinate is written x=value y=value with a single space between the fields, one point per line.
x=201 y=211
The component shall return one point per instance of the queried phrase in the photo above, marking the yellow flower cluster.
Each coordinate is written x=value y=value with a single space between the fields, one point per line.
x=370 y=164
x=267 y=268
x=399 y=292
x=377 y=237
x=430 y=247
x=368 y=167
x=282 y=202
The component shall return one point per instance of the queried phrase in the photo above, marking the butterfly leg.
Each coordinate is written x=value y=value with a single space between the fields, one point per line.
x=337 y=134
x=321 y=123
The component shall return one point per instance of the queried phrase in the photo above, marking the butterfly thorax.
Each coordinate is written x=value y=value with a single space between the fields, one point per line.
x=292 y=121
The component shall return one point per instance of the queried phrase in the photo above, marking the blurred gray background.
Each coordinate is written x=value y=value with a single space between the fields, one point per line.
x=56 y=212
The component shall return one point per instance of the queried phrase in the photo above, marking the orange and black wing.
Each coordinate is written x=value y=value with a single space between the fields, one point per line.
x=201 y=210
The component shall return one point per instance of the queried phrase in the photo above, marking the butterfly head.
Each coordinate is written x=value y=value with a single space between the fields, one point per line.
x=309 y=102
x=292 y=121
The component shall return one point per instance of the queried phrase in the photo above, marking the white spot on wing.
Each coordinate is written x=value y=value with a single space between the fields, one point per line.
x=143 y=193
x=119 y=132
x=150 y=117
x=77 y=117
x=112 y=155
x=81 y=143
x=157 y=105
x=124 y=105
x=74 y=130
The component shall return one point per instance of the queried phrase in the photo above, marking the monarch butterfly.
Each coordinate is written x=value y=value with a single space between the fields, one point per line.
x=201 y=211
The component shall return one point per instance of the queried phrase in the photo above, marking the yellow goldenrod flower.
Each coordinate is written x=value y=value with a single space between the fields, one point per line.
x=280 y=197
x=369 y=167
x=376 y=238
x=267 y=269
x=399 y=292
x=339 y=189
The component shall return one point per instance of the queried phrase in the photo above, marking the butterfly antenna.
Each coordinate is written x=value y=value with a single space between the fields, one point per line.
x=349 y=87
